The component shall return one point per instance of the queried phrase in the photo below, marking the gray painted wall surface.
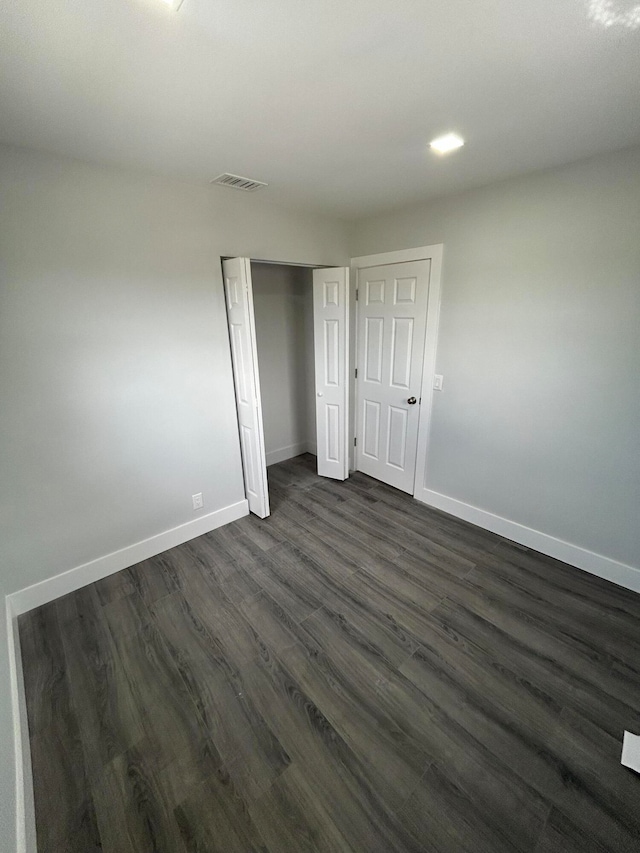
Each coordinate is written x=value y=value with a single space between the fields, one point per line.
x=115 y=377
x=283 y=300
x=539 y=420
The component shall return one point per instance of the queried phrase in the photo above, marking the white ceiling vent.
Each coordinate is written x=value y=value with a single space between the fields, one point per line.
x=237 y=182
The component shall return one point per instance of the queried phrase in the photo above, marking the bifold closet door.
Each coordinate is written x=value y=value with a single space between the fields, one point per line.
x=331 y=341
x=242 y=333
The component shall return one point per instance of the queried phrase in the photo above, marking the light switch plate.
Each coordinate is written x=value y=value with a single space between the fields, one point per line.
x=437 y=382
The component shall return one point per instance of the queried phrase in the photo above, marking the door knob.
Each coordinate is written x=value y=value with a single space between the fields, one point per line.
x=412 y=401
x=319 y=393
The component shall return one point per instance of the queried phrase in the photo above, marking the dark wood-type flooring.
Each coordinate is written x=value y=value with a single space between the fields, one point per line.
x=356 y=673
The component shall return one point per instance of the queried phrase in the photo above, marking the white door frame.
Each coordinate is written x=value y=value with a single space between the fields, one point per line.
x=422 y=253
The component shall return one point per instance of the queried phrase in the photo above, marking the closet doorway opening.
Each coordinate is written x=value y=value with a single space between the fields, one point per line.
x=288 y=331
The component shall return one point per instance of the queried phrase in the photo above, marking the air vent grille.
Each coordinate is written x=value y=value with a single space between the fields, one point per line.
x=237 y=182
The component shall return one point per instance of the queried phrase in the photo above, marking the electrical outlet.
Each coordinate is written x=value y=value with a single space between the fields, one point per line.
x=198 y=503
x=437 y=382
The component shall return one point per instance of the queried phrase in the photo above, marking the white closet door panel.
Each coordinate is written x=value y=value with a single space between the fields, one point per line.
x=242 y=335
x=331 y=330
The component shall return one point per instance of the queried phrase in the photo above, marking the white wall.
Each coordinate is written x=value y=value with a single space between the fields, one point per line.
x=283 y=301
x=539 y=420
x=115 y=379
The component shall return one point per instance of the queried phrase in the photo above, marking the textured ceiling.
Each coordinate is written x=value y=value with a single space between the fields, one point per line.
x=332 y=102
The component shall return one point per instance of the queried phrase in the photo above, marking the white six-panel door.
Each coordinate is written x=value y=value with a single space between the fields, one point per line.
x=331 y=340
x=392 y=314
x=242 y=333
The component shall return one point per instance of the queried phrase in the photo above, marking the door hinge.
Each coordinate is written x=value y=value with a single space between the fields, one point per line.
x=356 y=373
x=357 y=292
x=355 y=442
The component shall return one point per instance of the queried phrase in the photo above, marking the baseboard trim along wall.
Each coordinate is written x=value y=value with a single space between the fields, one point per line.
x=275 y=456
x=51 y=588
x=588 y=561
x=25 y=811
x=284 y=453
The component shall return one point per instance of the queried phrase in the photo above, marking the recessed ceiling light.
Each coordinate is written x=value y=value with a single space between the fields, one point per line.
x=173 y=4
x=449 y=142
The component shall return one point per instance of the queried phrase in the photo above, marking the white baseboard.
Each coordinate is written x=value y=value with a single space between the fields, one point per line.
x=51 y=588
x=25 y=811
x=588 y=561
x=275 y=456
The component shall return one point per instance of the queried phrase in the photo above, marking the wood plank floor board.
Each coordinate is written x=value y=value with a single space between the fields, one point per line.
x=517 y=806
x=440 y=811
x=169 y=715
x=616 y=630
x=380 y=639
x=555 y=765
x=214 y=562
x=357 y=526
x=134 y=807
x=455 y=700
x=562 y=836
x=272 y=623
x=335 y=553
x=324 y=498
x=118 y=585
x=279 y=577
x=65 y=811
x=576 y=650
x=212 y=680
x=568 y=688
x=554 y=573
x=260 y=531
x=154 y=578
x=44 y=667
x=293 y=818
x=109 y=718
x=357 y=672
x=432 y=575
x=213 y=818
x=127 y=615
x=357 y=548
x=398 y=614
x=252 y=754
x=410 y=538
x=468 y=541
x=596 y=776
x=584 y=643
x=217 y=612
x=339 y=783
x=392 y=759
x=236 y=548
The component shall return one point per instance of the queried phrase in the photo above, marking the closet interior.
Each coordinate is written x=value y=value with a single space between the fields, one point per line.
x=283 y=307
